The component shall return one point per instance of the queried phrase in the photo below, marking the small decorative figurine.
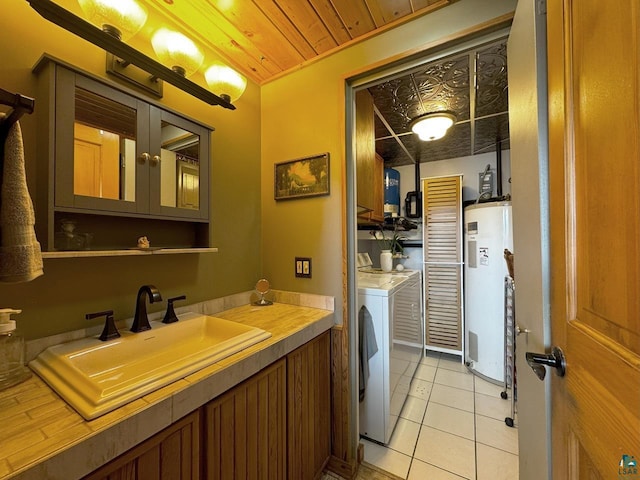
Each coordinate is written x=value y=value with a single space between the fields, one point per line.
x=143 y=242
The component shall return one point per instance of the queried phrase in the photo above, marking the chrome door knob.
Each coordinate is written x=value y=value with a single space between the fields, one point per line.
x=555 y=359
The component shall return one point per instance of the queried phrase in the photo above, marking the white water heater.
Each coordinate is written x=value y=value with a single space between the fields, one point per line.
x=487 y=232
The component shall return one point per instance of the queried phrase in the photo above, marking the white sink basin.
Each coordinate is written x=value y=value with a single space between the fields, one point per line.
x=95 y=377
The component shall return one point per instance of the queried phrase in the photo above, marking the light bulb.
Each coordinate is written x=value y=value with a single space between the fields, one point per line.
x=120 y=18
x=225 y=82
x=432 y=126
x=177 y=51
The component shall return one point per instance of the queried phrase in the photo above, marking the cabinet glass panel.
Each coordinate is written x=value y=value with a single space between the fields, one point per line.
x=104 y=148
x=180 y=167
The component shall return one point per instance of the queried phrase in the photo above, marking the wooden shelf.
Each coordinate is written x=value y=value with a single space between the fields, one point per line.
x=124 y=253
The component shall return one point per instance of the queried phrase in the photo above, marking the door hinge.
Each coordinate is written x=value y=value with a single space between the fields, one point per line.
x=541 y=7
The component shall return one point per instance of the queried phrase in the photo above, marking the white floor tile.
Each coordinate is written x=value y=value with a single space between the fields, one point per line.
x=405 y=436
x=386 y=458
x=488 y=388
x=452 y=397
x=414 y=409
x=455 y=379
x=426 y=373
x=420 y=388
x=431 y=358
x=421 y=471
x=398 y=366
x=496 y=433
x=450 y=420
x=447 y=451
x=452 y=362
x=494 y=407
x=494 y=464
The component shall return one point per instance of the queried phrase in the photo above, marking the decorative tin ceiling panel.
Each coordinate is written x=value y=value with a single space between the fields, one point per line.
x=458 y=144
x=489 y=131
x=491 y=90
x=445 y=85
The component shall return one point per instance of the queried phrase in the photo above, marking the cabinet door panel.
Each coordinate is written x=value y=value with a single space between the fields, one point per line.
x=308 y=408
x=179 y=181
x=245 y=429
x=173 y=454
x=116 y=125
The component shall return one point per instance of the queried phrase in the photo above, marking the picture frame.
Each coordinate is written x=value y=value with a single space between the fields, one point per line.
x=302 y=177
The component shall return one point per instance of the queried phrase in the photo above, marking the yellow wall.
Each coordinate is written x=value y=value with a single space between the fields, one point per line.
x=58 y=301
x=303 y=114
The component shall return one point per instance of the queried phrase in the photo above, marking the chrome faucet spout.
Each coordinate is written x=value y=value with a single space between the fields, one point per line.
x=140 y=319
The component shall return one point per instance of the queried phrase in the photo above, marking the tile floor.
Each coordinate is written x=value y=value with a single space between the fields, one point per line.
x=451 y=427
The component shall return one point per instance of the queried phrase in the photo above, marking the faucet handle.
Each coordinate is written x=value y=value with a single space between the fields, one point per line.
x=170 y=316
x=110 y=330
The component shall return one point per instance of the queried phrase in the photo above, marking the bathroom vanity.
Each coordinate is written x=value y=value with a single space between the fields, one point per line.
x=266 y=407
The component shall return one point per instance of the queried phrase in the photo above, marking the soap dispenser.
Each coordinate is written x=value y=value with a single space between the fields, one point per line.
x=12 y=367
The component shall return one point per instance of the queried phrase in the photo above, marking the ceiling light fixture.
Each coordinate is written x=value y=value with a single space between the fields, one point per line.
x=433 y=125
x=177 y=51
x=225 y=81
x=119 y=18
x=128 y=55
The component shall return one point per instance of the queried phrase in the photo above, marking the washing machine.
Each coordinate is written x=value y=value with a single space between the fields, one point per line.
x=393 y=303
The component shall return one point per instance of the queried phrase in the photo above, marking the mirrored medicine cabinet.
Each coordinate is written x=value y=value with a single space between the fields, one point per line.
x=119 y=167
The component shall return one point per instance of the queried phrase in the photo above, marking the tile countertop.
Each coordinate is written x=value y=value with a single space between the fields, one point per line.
x=44 y=438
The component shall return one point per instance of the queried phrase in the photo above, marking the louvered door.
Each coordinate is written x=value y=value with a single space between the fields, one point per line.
x=442 y=224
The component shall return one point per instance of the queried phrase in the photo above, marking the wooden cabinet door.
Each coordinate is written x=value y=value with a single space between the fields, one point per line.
x=245 y=429
x=377 y=186
x=172 y=454
x=365 y=150
x=308 y=409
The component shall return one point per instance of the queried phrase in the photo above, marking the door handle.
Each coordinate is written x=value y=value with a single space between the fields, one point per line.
x=555 y=359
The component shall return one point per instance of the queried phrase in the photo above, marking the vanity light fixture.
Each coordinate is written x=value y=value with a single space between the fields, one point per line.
x=120 y=18
x=433 y=125
x=225 y=81
x=177 y=51
x=126 y=54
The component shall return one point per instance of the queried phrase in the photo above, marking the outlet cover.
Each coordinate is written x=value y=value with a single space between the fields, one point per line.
x=303 y=267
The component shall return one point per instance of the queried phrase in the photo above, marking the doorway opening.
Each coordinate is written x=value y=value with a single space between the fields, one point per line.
x=399 y=149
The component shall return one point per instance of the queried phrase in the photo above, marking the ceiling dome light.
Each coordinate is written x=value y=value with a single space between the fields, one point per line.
x=225 y=82
x=120 y=18
x=432 y=126
x=177 y=51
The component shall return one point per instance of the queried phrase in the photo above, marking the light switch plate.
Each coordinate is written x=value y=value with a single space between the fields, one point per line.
x=303 y=267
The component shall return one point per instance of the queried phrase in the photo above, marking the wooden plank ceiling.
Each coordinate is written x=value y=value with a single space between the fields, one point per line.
x=266 y=38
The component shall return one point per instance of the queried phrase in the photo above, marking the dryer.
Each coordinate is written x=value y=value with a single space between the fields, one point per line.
x=394 y=302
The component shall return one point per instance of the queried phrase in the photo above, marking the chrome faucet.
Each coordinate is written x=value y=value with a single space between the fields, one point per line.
x=140 y=320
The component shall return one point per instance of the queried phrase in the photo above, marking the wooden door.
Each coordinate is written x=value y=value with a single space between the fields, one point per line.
x=594 y=160
x=96 y=170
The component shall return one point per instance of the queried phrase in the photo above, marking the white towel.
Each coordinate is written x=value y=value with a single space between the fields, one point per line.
x=20 y=254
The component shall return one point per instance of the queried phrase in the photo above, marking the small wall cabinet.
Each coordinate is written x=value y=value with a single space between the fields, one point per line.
x=112 y=156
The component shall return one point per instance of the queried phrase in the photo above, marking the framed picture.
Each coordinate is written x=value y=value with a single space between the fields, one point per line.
x=303 y=177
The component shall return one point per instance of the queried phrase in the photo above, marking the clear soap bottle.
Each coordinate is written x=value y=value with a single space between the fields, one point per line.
x=12 y=367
